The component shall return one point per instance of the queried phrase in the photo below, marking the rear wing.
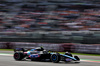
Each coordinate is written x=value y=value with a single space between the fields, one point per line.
x=20 y=50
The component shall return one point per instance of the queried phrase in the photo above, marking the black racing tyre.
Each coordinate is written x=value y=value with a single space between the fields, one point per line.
x=76 y=57
x=55 y=58
x=18 y=56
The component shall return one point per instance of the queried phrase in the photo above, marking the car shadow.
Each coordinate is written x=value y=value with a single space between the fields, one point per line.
x=61 y=62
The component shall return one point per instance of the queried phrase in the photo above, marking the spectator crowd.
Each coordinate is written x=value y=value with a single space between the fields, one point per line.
x=48 y=16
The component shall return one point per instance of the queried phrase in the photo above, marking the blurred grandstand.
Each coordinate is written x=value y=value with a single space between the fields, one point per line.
x=49 y=15
x=20 y=18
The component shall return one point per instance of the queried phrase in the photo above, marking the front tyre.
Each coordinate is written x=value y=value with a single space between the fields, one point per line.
x=55 y=58
x=77 y=59
x=18 y=56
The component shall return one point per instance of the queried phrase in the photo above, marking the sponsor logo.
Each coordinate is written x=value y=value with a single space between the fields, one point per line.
x=34 y=56
x=68 y=59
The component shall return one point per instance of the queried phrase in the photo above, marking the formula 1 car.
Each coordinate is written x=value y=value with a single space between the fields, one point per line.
x=39 y=54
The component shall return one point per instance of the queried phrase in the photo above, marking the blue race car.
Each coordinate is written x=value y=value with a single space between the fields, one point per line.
x=39 y=54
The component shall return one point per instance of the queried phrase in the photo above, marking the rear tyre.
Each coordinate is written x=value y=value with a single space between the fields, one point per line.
x=18 y=56
x=55 y=58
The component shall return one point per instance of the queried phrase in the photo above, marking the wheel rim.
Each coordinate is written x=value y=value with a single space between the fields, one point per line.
x=16 y=56
x=54 y=57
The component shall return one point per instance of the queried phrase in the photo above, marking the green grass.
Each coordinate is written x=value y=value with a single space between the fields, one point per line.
x=6 y=49
x=60 y=52
x=86 y=54
x=82 y=54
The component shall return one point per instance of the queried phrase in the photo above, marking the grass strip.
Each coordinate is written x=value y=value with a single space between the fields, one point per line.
x=90 y=59
x=6 y=49
x=86 y=54
x=60 y=52
x=82 y=54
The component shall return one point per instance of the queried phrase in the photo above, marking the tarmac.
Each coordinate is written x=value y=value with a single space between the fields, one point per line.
x=6 y=59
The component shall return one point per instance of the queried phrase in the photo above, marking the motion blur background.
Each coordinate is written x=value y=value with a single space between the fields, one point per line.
x=63 y=25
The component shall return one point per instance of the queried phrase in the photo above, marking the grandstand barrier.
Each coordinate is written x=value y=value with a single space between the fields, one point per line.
x=3 y=45
x=48 y=46
x=35 y=40
x=62 y=47
x=87 y=48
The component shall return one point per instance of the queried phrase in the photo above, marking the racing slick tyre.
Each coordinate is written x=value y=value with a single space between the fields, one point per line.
x=55 y=58
x=18 y=56
x=77 y=59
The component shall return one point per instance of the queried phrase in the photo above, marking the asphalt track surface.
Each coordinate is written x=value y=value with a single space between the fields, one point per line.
x=7 y=60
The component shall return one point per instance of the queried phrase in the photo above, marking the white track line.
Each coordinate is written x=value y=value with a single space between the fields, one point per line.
x=6 y=54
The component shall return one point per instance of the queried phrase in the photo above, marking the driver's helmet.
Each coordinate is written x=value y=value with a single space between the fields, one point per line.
x=69 y=54
x=39 y=48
